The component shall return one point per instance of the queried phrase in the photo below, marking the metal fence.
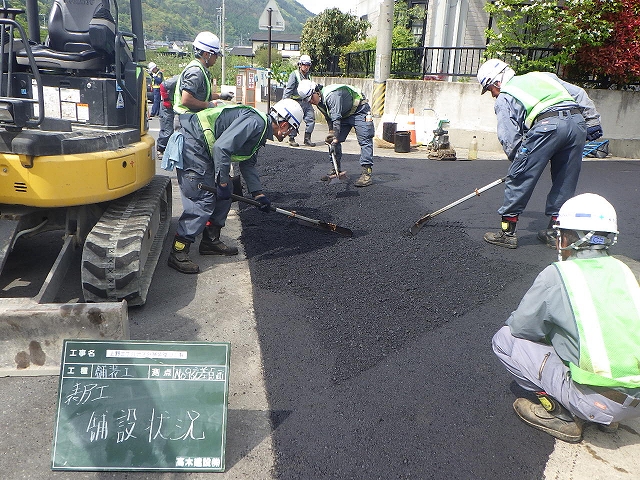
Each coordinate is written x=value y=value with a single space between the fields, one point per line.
x=436 y=63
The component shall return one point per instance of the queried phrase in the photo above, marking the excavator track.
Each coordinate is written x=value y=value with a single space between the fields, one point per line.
x=122 y=250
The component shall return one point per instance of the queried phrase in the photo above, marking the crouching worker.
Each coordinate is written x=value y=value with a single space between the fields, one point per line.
x=212 y=139
x=575 y=337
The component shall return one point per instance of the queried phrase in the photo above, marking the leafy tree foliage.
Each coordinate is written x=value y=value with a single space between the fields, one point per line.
x=528 y=26
x=323 y=35
x=261 y=58
x=617 y=60
x=402 y=14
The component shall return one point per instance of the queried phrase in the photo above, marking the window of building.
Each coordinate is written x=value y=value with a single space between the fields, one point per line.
x=418 y=25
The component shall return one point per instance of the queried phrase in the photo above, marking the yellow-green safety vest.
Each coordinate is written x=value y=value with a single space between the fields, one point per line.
x=177 y=94
x=537 y=92
x=605 y=299
x=356 y=95
x=299 y=78
x=207 y=119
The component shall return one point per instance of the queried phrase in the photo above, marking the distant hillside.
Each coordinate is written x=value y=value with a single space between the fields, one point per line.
x=183 y=19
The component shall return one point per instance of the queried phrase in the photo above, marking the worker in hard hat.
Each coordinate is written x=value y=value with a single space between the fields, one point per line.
x=212 y=139
x=156 y=79
x=193 y=91
x=344 y=107
x=291 y=91
x=541 y=119
x=574 y=339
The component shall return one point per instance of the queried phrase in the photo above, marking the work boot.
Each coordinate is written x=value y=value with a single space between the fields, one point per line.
x=211 y=243
x=179 y=257
x=536 y=416
x=506 y=237
x=307 y=140
x=365 y=178
x=548 y=235
x=292 y=142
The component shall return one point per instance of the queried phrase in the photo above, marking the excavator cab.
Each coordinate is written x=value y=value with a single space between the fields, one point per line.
x=76 y=156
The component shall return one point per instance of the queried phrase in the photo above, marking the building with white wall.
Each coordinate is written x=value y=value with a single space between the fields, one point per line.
x=448 y=23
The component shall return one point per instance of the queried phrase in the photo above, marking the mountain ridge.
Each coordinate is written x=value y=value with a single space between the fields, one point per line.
x=181 y=20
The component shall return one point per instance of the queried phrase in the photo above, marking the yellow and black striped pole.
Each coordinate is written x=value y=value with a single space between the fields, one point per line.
x=377 y=102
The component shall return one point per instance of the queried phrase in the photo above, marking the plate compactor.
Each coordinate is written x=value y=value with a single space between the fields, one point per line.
x=439 y=147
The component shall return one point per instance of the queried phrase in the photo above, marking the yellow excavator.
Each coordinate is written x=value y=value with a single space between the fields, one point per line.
x=76 y=156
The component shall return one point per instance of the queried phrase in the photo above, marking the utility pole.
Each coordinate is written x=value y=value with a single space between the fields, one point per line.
x=383 y=57
x=222 y=41
x=270 y=10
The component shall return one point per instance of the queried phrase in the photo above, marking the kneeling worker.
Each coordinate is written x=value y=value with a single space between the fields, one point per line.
x=213 y=138
x=575 y=337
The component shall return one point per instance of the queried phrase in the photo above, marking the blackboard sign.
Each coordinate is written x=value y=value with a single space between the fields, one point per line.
x=134 y=405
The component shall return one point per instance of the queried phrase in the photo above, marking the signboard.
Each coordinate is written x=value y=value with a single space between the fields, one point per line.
x=134 y=405
x=277 y=22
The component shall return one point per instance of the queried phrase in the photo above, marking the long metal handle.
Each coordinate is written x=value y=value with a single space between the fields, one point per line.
x=415 y=228
x=330 y=227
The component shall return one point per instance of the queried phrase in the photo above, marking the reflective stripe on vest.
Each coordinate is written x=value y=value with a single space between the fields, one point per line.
x=356 y=95
x=207 y=119
x=537 y=92
x=177 y=95
x=605 y=299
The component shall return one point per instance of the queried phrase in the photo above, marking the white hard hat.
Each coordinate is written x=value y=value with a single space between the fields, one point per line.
x=207 y=42
x=493 y=71
x=288 y=110
x=588 y=215
x=306 y=88
x=151 y=66
x=304 y=60
x=587 y=212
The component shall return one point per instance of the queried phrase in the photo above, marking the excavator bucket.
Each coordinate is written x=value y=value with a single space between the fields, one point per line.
x=31 y=334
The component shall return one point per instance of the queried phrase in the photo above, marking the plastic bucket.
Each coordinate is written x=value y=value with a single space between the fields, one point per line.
x=389 y=131
x=403 y=142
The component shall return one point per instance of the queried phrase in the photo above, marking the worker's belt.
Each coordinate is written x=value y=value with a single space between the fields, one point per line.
x=558 y=113
x=615 y=395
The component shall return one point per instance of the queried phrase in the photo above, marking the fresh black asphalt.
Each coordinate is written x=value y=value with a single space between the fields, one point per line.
x=377 y=348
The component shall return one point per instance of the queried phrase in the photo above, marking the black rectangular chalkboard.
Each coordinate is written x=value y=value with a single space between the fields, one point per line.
x=135 y=405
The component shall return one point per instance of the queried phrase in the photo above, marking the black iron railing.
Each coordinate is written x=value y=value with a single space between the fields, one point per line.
x=437 y=63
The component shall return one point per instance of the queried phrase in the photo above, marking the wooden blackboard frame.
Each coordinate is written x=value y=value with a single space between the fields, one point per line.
x=142 y=405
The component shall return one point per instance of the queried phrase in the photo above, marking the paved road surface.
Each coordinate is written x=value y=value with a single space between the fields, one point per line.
x=366 y=357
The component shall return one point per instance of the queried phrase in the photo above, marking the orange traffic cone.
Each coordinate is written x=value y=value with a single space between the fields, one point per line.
x=411 y=126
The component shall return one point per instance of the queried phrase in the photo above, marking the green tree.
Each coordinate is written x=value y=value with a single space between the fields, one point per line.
x=323 y=35
x=261 y=58
x=528 y=26
x=403 y=15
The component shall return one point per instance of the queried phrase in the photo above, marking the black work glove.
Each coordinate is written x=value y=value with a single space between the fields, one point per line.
x=226 y=96
x=330 y=138
x=265 y=204
x=594 y=132
x=223 y=193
